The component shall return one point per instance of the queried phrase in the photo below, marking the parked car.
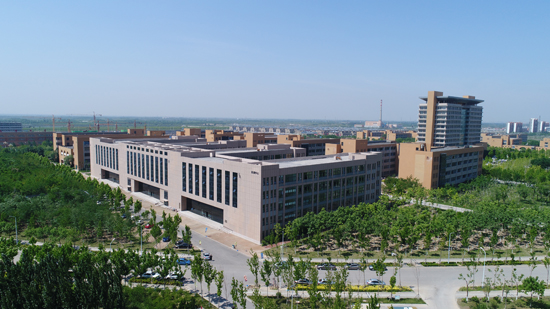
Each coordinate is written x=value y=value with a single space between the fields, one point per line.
x=324 y=281
x=371 y=267
x=352 y=266
x=375 y=282
x=148 y=225
x=207 y=256
x=150 y=274
x=303 y=281
x=183 y=245
x=326 y=266
x=166 y=239
x=172 y=276
x=280 y=264
x=184 y=261
x=123 y=216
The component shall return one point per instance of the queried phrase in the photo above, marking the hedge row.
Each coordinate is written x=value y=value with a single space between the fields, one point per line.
x=487 y=263
x=156 y=281
x=359 y=288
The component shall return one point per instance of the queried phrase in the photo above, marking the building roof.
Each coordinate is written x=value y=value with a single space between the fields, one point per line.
x=455 y=100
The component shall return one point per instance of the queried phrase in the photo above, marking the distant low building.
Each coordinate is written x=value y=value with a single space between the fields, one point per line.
x=8 y=139
x=11 y=127
x=496 y=140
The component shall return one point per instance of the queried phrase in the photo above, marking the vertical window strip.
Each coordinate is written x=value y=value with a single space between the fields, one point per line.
x=165 y=172
x=161 y=172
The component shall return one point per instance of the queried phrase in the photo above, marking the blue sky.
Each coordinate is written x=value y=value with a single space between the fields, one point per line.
x=273 y=59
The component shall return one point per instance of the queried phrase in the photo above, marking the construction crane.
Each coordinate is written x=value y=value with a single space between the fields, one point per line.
x=69 y=125
x=143 y=123
x=96 y=121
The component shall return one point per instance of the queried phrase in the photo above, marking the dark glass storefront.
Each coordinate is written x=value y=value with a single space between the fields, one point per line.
x=149 y=190
x=205 y=210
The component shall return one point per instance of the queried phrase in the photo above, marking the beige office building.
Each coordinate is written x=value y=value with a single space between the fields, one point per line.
x=244 y=189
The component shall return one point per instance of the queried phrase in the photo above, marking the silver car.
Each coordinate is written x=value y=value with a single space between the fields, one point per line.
x=375 y=282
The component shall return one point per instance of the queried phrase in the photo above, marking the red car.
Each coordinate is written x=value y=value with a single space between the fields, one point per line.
x=148 y=225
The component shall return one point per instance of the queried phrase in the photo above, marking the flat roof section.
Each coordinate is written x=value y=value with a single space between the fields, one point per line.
x=307 y=161
x=455 y=100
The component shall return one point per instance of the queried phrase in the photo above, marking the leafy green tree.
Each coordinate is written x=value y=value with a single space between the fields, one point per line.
x=265 y=272
x=210 y=274
x=219 y=283
x=254 y=266
x=197 y=269
x=533 y=285
x=374 y=303
x=137 y=206
x=393 y=281
x=69 y=160
x=156 y=233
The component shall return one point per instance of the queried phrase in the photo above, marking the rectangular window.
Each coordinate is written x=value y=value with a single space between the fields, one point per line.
x=211 y=184
x=96 y=156
x=290 y=178
x=183 y=177
x=139 y=165
x=127 y=162
x=161 y=168
x=152 y=168
x=197 y=180
x=219 y=186
x=235 y=187
x=142 y=165
x=135 y=164
x=147 y=161
x=190 y=178
x=165 y=172
x=156 y=169
x=204 y=181
x=227 y=184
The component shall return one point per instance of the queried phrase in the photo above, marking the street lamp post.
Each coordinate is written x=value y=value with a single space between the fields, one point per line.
x=449 y=253
x=484 y=259
x=282 y=250
x=141 y=240
x=15 y=228
x=111 y=245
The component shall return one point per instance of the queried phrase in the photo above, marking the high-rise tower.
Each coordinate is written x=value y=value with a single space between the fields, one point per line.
x=449 y=121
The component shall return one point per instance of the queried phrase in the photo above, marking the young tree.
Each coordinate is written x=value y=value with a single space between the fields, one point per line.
x=313 y=290
x=363 y=265
x=137 y=206
x=254 y=266
x=374 y=303
x=516 y=281
x=156 y=233
x=392 y=284
x=186 y=236
x=546 y=263
x=209 y=275
x=468 y=279
x=265 y=273
x=197 y=269
x=219 y=283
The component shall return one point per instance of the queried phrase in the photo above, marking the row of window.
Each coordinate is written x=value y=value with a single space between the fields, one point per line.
x=336 y=172
x=106 y=156
x=194 y=184
x=147 y=167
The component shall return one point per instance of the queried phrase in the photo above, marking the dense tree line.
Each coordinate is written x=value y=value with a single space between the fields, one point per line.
x=53 y=276
x=52 y=200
